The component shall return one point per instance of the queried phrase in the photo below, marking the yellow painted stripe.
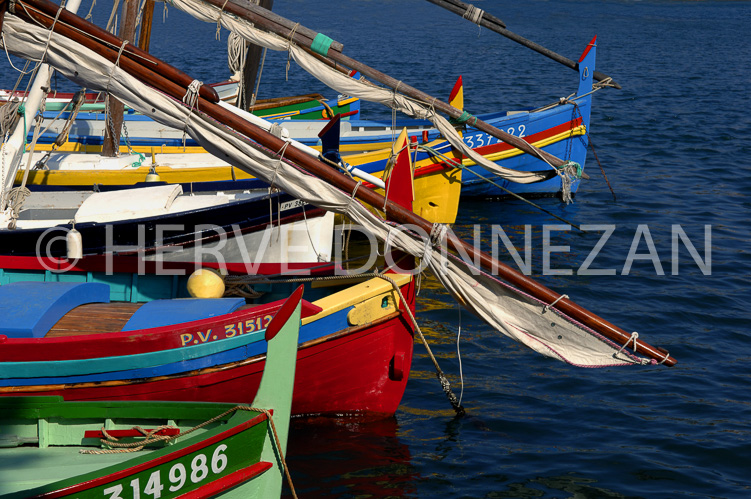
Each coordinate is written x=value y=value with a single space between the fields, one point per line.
x=356 y=294
x=580 y=130
x=346 y=101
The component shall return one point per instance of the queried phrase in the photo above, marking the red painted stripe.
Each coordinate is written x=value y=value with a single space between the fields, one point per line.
x=227 y=482
x=349 y=113
x=589 y=47
x=429 y=169
x=129 y=433
x=284 y=313
x=457 y=87
x=75 y=489
x=130 y=342
x=502 y=146
x=130 y=265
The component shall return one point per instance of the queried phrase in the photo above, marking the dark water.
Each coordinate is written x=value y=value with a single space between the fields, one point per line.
x=675 y=146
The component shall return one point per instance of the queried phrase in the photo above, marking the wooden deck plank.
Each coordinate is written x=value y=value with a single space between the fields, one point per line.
x=94 y=318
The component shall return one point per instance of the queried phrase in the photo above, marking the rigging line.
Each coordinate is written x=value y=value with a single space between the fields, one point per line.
x=445 y=385
x=310 y=237
x=459 y=354
x=458 y=164
x=254 y=95
x=91 y=10
x=592 y=146
x=110 y=23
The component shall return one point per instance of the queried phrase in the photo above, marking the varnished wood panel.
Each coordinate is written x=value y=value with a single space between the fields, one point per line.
x=94 y=318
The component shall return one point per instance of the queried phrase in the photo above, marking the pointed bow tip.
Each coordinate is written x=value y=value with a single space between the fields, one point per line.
x=284 y=313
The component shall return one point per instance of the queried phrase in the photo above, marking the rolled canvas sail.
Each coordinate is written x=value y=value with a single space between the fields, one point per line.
x=348 y=86
x=507 y=309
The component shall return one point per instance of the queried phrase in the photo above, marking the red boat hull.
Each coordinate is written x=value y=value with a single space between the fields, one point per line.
x=357 y=370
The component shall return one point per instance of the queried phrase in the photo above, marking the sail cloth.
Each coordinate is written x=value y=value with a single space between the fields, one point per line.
x=349 y=86
x=507 y=309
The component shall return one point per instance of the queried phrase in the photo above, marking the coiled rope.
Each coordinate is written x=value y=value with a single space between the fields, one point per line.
x=117 y=447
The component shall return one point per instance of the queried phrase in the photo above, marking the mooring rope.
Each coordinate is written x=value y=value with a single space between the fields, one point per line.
x=445 y=385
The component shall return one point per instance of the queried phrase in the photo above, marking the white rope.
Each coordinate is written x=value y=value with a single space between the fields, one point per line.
x=113 y=15
x=254 y=95
x=218 y=34
x=473 y=14
x=91 y=9
x=354 y=192
x=667 y=354
x=548 y=307
x=437 y=233
x=310 y=237
x=279 y=153
x=237 y=49
x=190 y=98
x=633 y=337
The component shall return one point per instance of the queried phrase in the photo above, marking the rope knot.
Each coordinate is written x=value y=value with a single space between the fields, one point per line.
x=464 y=118
x=474 y=14
x=633 y=337
x=569 y=171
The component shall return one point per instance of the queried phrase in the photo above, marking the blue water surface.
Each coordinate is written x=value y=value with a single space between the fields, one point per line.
x=674 y=143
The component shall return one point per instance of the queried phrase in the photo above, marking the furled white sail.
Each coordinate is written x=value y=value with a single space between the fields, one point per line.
x=349 y=86
x=507 y=309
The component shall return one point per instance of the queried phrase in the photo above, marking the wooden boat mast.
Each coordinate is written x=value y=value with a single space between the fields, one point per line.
x=144 y=37
x=252 y=63
x=111 y=146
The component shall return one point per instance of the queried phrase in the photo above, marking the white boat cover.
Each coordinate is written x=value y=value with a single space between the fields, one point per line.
x=510 y=311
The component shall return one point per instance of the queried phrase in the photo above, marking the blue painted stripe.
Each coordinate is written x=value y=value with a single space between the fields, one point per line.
x=34 y=369
x=160 y=363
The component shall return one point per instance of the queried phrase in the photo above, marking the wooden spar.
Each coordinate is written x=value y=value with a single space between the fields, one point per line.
x=250 y=70
x=492 y=23
x=111 y=145
x=3 y=8
x=261 y=19
x=132 y=66
x=245 y=8
x=49 y=10
x=148 y=16
x=394 y=211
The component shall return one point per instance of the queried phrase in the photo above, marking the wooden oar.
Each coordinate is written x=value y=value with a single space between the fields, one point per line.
x=263 y=19
x=489 y=21
x=393 y=210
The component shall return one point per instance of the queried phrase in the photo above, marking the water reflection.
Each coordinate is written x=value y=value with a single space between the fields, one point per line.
x=349 y=457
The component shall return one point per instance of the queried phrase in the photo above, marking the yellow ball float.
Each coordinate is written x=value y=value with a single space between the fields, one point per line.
x=206 y=283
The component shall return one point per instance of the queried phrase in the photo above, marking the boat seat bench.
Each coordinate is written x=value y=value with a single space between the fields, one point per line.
x=30 y=309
